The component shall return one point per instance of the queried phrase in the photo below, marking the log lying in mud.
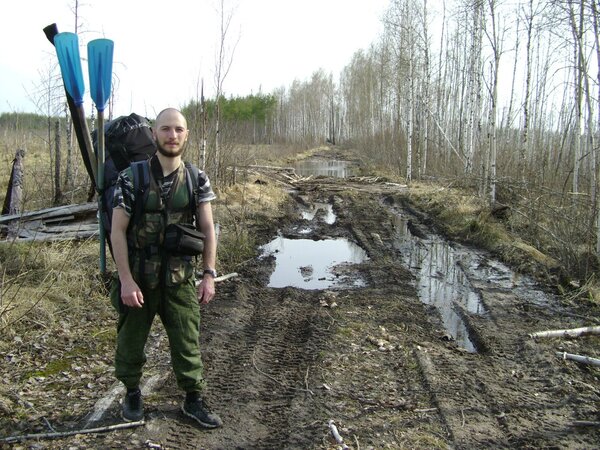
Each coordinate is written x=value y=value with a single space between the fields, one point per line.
x=579 y=358
x=570 y=333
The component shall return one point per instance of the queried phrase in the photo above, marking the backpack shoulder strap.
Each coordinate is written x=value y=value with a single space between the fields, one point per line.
x=140 y=171
x=192 y=175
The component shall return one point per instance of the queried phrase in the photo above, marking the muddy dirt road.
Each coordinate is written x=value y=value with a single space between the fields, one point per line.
x=391 y=351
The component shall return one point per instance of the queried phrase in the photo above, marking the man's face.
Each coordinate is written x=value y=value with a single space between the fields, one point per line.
x=170 y=133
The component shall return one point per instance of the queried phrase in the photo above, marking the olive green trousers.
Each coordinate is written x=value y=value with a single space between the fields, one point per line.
x=179 y=312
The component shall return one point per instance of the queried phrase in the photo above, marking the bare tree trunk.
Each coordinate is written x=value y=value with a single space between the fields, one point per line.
x=596 y=202
x=507 y=121
x=426 y=85
x=203 y=128
x=69 y=178
x=578 y=58
x=14 y=193
x=57 y=188
x=223 y=64
x=409 y=120
x=496 y=43
x=526 y=101
x=474 y=85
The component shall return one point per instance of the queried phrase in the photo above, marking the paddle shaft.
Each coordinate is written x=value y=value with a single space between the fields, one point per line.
x=87 y=143
x=100 y=184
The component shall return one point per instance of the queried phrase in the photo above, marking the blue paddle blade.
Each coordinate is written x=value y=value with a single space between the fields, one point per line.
x=100 y=59
x=67 y=50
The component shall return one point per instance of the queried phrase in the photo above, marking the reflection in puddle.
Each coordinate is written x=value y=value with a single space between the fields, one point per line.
x=448 y=276
x=441 y=282
x=330 y=168
x=325 y=209
x=308 y=264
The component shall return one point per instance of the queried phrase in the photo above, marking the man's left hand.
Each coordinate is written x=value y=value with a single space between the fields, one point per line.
x=206 y=289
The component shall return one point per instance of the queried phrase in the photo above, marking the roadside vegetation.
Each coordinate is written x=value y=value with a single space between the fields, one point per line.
x=522 y=184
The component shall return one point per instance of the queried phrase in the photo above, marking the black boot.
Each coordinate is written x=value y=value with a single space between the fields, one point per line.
x=196 y=408
x=133 y=406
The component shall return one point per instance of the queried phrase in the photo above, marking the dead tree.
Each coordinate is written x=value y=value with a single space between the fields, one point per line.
x=57 y=158
x=14 y=192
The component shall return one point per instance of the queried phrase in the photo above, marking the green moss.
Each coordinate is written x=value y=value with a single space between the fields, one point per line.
x=52 y=368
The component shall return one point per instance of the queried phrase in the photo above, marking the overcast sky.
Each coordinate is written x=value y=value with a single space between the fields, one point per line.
x=164 y=47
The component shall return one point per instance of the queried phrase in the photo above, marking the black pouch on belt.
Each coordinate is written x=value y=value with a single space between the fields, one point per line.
x=183 y=239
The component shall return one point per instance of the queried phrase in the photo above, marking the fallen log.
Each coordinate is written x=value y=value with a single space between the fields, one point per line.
x=571 y=333
x=579 y=358
x=118 y=426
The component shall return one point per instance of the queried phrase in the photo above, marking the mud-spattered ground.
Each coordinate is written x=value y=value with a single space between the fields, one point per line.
x=281 y=363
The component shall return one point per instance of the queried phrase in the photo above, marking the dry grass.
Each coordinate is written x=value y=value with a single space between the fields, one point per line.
x=38 y=185
x=42 y=282
x=237 y=207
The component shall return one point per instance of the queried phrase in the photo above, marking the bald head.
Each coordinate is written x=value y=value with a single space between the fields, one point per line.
x=170 y=114
x=170 y=132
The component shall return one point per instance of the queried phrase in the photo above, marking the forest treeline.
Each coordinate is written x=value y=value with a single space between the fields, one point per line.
x=500 y=97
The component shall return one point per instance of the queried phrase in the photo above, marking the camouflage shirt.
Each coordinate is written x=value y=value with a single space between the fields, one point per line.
x=124 y=196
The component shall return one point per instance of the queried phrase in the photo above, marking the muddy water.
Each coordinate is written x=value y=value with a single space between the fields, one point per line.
x=319 y=208
x=440 y=280
x=308 y=264
x=446 y=276
x=449 y=276
x=323 y=167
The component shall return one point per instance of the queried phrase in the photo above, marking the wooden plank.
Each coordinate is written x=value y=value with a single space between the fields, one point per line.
x=45 y=237
x=68 y=210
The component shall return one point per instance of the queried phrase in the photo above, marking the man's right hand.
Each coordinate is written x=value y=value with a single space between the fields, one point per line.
x=131 y=294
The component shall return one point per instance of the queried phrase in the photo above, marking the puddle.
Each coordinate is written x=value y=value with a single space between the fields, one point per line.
x=440 y=280
x=323 y=208
x=308 y=264
x=325 y=167
x=448 y=275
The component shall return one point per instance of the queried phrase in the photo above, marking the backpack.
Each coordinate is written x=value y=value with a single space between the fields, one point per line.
x=129 y=142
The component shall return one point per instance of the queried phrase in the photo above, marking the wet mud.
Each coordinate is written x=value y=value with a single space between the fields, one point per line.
x=423 y=343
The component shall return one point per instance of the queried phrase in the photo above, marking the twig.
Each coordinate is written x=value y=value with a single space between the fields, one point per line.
x=586 y=423
x=221 y=278
x=336 y=435
x=579 y=358
x=306 y=380
x=226 y=277
x=426 y=410
x=118 y=426
x=48 y=425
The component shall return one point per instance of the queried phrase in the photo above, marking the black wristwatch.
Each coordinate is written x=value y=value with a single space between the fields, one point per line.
x=211 y=272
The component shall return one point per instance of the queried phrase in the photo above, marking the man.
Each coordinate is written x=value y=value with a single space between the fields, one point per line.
x=152 y=281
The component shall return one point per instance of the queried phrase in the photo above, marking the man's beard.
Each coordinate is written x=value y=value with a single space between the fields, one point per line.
x=170 y=153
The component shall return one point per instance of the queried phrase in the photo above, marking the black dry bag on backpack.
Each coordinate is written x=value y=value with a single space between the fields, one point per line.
x=127 y=139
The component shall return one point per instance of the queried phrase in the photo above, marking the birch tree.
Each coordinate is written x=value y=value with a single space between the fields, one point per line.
x=495 y=37
x=224 y=59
